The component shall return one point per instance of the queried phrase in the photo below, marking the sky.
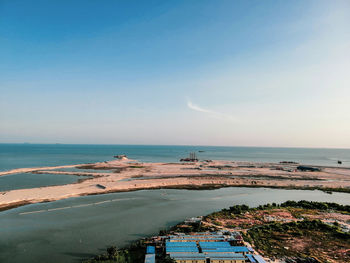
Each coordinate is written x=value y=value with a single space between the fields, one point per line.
x=231 y=73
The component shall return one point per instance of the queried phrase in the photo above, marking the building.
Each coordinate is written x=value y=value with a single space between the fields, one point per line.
x=209 y=248
x=181 y=247
x=222 y=247
x=189 y=257
x=259 y=259
x=197 y=238
x=212 y=258
x=150 y=250
x=251 y=259
x=227 y=258
x=150 y=258
x=308 y=168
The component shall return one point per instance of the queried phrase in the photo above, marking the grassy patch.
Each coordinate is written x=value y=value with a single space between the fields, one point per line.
x=304 y=239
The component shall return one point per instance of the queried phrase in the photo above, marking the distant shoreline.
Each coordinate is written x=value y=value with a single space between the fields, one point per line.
x=177 y=145
x=129 y=175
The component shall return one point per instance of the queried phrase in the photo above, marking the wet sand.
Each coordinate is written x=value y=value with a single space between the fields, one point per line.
x=127 y=175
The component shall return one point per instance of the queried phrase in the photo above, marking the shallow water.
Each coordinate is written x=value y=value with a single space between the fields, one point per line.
x=74 y=169
x=68 y=230
x=38 y=155
x=29 y=180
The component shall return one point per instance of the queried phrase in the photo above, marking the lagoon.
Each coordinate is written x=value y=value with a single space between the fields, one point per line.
x=71 y=229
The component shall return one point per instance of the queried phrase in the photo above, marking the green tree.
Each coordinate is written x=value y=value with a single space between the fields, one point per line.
x=112 y=251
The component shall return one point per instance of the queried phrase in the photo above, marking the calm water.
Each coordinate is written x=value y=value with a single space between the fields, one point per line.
x=33 y=155
x=85 y=225
x=68 y=230
x=36 y=155
x=28 y=180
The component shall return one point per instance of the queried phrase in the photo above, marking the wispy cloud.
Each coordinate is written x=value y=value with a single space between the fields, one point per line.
x=211 y=113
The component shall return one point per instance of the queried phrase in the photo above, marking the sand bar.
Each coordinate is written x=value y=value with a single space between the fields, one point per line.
x=122 y=175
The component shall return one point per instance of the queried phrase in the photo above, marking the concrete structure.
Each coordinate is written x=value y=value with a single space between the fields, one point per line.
x=227 y=260
x=181 y=250
x=224 y=249
x=150 y=258
x=180 y=244
x=189 y=258
x=209 y=248
x=214 y=244
x=259 y=259
x=308 y=168
x=181 y=247
x=198 y=238
x=251 y=259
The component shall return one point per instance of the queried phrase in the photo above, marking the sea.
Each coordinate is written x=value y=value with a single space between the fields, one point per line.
x=36 y=155
x=76 y=228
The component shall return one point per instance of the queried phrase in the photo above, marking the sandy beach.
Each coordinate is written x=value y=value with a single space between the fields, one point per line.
x=127 y=175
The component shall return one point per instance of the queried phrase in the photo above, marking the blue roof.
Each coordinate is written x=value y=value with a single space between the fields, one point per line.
x=240 y=249
x=180 y=244
x=214 y=244
x=225 y=249
x=216 y=250
x=250 y=249
x=150 y=250
x=251 y=258
x=259 y=259
x=181 y=249
x=150 y=258
x=188 y=255
x=227 y=258
x=226 y=255
x=197 y=238
x=184 y=258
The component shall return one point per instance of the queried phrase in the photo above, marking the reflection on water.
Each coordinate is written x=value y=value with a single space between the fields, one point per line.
x=67 y=230
x=74 y=206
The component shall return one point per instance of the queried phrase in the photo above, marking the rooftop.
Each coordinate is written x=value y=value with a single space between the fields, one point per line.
x=150 y=250
x=150 y=258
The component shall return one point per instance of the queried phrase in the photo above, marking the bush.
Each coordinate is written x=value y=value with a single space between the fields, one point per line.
x=317 y=205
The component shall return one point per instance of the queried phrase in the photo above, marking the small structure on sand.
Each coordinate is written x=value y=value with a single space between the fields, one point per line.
x=308 y=168
x=121 y=157
x=191 y=158
x=101 y=186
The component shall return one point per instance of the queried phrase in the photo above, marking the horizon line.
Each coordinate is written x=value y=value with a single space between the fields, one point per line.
x=188 y=145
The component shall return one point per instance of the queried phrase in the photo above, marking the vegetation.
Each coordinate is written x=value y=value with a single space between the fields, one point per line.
x=317 y=205
x=304 y=239
x=234 y=211
x=164 y=259
x=301 y=241
x=187 y=228
x=135 y=253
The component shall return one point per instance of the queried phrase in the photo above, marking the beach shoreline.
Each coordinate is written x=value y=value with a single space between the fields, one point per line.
x=126 y=175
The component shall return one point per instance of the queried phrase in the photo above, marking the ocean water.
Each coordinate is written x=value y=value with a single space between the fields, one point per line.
x=36 y=155
x=75 y=228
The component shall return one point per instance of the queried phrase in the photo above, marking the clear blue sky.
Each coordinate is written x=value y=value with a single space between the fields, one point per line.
x=255 y=73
